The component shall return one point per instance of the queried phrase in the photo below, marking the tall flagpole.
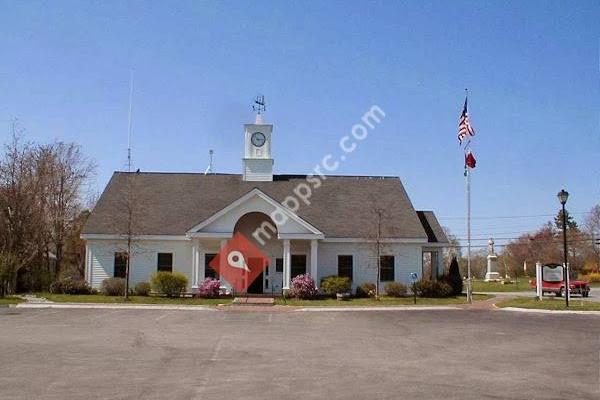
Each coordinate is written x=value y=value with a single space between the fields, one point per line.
x=469 y=281
x=468 y=182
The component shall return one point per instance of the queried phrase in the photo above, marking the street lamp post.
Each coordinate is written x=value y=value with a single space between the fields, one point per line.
x=563 y=196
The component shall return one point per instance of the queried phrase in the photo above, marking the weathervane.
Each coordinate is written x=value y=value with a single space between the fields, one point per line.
x=259 y=104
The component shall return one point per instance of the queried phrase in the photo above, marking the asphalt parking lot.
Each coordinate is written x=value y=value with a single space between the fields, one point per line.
x=157 y=354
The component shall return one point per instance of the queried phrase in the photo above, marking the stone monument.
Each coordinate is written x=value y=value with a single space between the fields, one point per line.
x=492 y=274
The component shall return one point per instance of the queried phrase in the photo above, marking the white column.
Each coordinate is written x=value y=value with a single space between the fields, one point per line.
x=195 y=264
x=287 y=268
x=194 y=276
x=314 y=248
x=88 y=264
x=538 y=280
x=200 y=263
x=223 y=243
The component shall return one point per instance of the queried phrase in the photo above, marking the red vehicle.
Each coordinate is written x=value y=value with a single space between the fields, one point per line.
x=553 y=282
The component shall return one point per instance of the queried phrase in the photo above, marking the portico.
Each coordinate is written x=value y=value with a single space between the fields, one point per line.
x=291 y=247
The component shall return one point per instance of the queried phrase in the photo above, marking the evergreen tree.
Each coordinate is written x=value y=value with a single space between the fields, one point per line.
x=571 y=223
x=454 y=279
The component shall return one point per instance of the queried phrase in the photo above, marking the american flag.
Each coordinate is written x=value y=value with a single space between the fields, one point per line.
x=464 y=125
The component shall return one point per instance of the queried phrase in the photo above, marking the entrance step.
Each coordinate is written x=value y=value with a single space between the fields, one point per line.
x=254 y=301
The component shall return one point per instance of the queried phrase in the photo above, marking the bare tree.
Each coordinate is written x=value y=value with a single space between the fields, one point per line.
x=75 y=245
x=40 y=191
x=592 y=227
x=128 y=219
x=20 y=216
x=64 y=171
x=453 y=249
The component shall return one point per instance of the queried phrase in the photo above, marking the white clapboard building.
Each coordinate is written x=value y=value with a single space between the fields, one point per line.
x=318 y=224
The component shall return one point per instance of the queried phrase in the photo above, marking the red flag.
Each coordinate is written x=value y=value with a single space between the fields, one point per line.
x=470 y=159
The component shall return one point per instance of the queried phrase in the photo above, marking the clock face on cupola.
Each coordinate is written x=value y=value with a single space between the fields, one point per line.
x=258 y=164
x=258 y=139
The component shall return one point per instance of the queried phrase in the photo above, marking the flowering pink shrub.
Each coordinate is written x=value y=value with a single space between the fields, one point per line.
x=209 y=288
x=303 y=287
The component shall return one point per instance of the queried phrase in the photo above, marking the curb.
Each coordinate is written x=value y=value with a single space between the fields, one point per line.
x=115 y=306
x=380 y=308
x=540 y=311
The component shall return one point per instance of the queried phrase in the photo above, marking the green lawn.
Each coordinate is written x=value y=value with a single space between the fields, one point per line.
x=481 y=286
x=385 y=301
x=550 y=304
x=10 y=300
x=594 y=284
x=97 y=298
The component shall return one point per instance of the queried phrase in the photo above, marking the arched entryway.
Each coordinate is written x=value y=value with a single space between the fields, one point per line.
x=270 y=280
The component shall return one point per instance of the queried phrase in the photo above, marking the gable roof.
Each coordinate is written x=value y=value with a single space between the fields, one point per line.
x=172 y=203
x=256 y=193
x=433 y=229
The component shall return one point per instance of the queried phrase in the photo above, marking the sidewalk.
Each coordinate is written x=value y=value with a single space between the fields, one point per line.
x=49 y=304
x=380 y=308
x=540 y=311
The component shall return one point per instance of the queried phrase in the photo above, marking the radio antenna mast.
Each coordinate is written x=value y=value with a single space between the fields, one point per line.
x=130 y=121
x=209 y=169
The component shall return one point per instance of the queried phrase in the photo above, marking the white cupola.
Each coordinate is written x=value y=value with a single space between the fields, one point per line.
x=258 y=164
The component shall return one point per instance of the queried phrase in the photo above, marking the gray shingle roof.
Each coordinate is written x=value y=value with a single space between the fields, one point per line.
x=172 y=203
x=433 y=229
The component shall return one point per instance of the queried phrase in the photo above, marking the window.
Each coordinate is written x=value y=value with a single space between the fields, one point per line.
x=120 y=265
x=208 y=271
x=165 y=262
x=298 y=264
x=386 y=265
x=345 y=266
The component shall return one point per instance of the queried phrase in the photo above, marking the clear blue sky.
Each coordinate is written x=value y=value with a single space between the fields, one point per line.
x=532 y=69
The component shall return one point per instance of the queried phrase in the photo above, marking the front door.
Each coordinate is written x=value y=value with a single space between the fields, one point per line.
x=256 y=286
x=275 y=275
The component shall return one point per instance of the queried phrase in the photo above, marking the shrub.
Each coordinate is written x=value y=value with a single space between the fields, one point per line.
x=142 y=289
x=366 y=290
x=71 y=286
x=209 y=288
x=171 y=284
x=395 y=289
x=454 y=279
x=592 y=277
x=426 y=288
x=335 y=284
x=113 y=287
x=303 y=287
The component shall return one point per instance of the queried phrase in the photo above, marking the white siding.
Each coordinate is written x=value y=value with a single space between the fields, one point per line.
x=258 y=169
x=407 y=259
x=143 y=261
x=102 y=266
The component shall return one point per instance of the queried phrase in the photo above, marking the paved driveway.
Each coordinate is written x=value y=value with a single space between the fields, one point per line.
x=152 y=354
